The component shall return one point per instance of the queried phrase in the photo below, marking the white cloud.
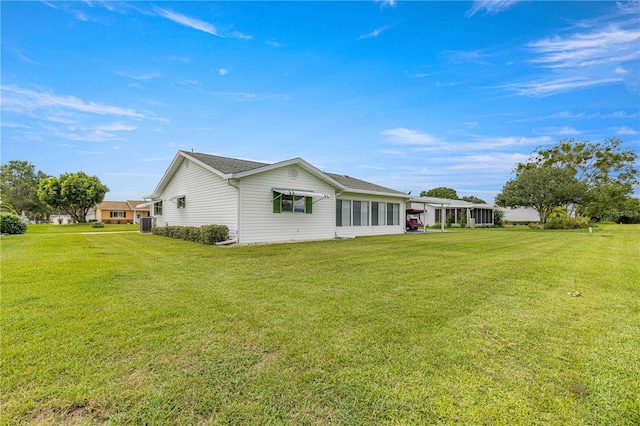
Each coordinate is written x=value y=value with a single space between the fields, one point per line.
x=490 y=6
x=560 y=131
x=116 y=127
x=622 y=131
x=424 y=142
x=250 y=96
x=139 y=76
x=612 y=45
x=223 y=71
x=385 y=3
x=14 y=125
x=80 y=16
x=199 y=25
x=374 y=33
x=396 y=152
x=187 y=21
x=553 y=86
x=273 y=43
x=462 y=56
x=592 y=53
x=497 y=162
x=17 y=99
x=242 y=36
x=403 y=136
x=187 y=82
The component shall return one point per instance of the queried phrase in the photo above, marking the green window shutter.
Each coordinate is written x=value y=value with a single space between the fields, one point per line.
x=277 y=202
x=309 y=205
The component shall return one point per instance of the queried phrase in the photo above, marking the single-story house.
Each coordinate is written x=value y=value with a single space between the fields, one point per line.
x=259 y=202
x=523 y=215
x=60 y=219
x=432 y=210
x=120 y=211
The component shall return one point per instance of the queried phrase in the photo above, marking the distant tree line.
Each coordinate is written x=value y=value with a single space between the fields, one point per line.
x=35 y=195
x=451 y=194
x=593 y=180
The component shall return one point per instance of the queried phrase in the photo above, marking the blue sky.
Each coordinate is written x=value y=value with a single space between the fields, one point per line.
x=410 y=95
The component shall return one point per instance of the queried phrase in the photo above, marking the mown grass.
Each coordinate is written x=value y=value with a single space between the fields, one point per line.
x=79 y=227
x=468 y=327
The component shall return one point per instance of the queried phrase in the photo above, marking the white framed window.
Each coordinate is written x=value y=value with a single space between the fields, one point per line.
x=286 y=203
x=360 y=213
x=157 y=208
x=343 y=212
x=117 y=214
x=378 y=213
x=393 y=214
x=181 y=202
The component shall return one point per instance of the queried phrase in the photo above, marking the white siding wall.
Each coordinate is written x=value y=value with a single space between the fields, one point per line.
x=209 y=199
x=358 y=231
x=258 y=222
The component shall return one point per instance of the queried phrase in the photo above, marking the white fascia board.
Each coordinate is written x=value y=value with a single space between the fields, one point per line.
x=173 y=167
x=460 y=204
x=405 y=197
x=206 y=166
x=168 y=174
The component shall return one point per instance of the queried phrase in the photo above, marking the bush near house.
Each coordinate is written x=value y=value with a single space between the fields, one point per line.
x=207 y=234
x=569 y=222
x=97 y=224
x=12 y=224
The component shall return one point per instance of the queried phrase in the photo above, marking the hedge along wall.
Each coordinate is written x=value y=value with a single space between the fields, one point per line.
x=207 y=234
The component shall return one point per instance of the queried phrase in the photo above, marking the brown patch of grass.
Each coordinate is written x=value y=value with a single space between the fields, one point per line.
x=265 y=361
x=579 y=389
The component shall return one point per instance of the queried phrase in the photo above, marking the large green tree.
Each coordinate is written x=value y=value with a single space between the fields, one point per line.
x=19 y=188
x=72 y=193
x=543 y=188
x=606 y=168
x=473 y=199
x=441 y=192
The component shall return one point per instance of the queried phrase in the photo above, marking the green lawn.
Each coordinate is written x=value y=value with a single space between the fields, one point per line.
x=468 y=327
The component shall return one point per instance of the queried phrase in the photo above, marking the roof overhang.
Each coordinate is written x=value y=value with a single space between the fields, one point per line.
x=150 y=203
x=302 y=193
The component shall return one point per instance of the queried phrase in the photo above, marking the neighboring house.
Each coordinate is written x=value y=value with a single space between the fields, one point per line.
x=432 y=210
x=60 y=219
x=120 y=211
x=523 y=215
x=287 y=201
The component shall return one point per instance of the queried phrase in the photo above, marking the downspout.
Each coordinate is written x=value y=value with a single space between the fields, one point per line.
x=235 y=240
x=335 y=228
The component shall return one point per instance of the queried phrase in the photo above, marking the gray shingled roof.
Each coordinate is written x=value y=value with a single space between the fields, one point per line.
x=353 y=183
x=224 y=164
x=233 y=165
